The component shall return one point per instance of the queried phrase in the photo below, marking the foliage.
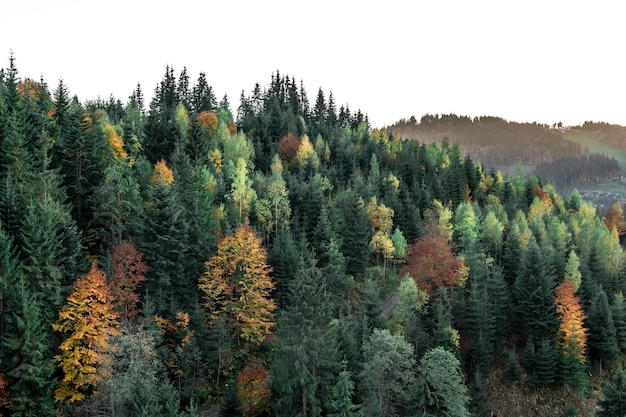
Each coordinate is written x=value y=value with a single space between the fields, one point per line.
x=442 y=385
x=432 y=263
x=89 y=321
x=237 y=284
x=388 y=376
x=128 y=272
x=253 y=390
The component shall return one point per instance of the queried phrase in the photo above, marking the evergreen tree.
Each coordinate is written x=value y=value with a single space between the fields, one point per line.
x=355 y=230
x=388 y=377
x=27 y=352
x=602 y=342
x=343 y=392
x=614 y=402
x=478 y=405
x=533 y=293
x=619 y=319
x=442 y=386
x=305 y=363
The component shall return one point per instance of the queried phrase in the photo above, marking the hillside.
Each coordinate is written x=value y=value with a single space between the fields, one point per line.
x=178 y=258
x=586 y=157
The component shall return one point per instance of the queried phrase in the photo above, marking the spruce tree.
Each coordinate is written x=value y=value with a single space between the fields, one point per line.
x=305 y=363
x=602 y=343
x=533 y=294
x=388 y=378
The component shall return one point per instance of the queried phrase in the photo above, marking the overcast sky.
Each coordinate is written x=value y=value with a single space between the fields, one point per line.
x=544 y=61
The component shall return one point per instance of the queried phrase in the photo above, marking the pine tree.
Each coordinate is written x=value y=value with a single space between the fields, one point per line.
x=619 y=319
x=343 y=392
x=355 y=230
x=164 y=243
x=26 y=341
x=441 y=383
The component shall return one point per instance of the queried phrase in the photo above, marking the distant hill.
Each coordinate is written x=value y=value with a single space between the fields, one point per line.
x=507 y=146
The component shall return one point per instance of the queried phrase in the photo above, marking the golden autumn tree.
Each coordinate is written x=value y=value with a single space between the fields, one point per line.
x=87 y=321
x=572 y=335
x=237 y=284
x=115 y=142
x=208 y=121
x=162 y=174
x=128 y=272
x=614 y=219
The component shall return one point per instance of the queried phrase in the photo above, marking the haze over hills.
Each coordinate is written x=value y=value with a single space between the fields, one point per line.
x=570 y=156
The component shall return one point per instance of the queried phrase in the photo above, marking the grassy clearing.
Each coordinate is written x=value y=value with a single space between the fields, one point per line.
x=593 y=142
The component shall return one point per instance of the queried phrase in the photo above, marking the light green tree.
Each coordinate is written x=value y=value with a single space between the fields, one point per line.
x=442 y=385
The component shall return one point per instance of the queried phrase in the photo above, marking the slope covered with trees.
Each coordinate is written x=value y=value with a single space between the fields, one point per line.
x=500 y=144
x=287 y=259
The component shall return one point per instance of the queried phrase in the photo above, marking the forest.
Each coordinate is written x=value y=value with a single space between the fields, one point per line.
x=285 y=258
x=500 y=144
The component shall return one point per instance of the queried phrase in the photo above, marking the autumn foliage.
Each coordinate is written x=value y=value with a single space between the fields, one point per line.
x=128 y=272
x=162 y=175
x=288 y=148
x=571 y=331
x=253 y=390
x=208 y=121
x=237 y=284
x=88 y=320
x=614 y=219
x=432 y=263
x=115 y=142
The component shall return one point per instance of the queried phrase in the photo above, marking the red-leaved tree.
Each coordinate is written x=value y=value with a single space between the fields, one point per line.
x=128 y=272
x=432 y=263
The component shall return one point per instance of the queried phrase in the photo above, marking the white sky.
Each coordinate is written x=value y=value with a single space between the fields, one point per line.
x=544 y=61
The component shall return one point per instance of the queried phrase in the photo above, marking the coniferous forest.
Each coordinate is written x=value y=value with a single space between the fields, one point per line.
x=179 y=257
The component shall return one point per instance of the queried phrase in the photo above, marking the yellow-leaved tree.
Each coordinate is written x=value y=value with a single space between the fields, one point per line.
x=87 y=321
x=237 y=285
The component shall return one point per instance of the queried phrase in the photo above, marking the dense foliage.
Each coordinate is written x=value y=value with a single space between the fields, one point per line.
x=286 y=259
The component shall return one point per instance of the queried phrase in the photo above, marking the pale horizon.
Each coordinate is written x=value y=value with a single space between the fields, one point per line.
x=533 y=62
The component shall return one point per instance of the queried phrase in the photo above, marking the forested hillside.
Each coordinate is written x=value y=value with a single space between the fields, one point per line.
x=500 y=144
x=182 y=258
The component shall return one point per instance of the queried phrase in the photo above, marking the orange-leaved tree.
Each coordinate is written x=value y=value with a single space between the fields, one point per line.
x=572 y=335
x=253 y=390
x=432 y=263
x=162 y=174
x=237 y=284
x=87 y=320
x=128 y=272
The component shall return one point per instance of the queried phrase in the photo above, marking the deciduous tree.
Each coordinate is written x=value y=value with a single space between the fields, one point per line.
x=89 y=321
x=127 y=273
x=432 y=263
x=237 y=284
